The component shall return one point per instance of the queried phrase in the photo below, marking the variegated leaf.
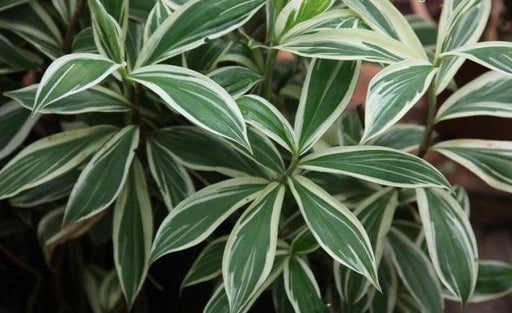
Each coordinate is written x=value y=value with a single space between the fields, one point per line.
x=16 y=58
x=7 y=4
x=119 y=10
x=108 y=35
x=160 y=12
x=65 y=8
x=237 y=80
x=302 y=288
x=15 y=125
x=385 y=301
x=304 y=243
x=297 y=11
x=206 y=57
x=494 y=280
x=405 y=137
x=264 y=154
x=462 y=197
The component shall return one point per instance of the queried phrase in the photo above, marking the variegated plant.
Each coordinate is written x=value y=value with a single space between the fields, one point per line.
x=158 y=99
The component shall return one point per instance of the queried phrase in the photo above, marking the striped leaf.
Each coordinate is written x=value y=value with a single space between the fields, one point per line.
x=379 y=165
x=425 y=29
x=280 y=299
x=132 y=233
x=70 y=75
x=218 y=302
x=51 y=157
x=15 y=125
x=416 y=272
x=83 y=41
x=407 y=304
x=110 y=292
x=133 y=42
x=16 y=58
x=405 y=137
x=302 y=288
x=196 y=97
x=265 y=153
x=297 y=11
x=383 y=16
x=490 y=94
x=494 y=280
x=237 y=80
x=496 y=55
x=160 y=12
x=108 y=35
x=208 y=264
x=251 y=248
x=7 y=4
x=194 y=23
x=393 y=92
x=385 y=301
x=450 y=241
x=119 y=10
x=261 y=114
x=92 y=193
x=328 y=88
x=350 y=44
x=94 y=99
x=462 y=197
x=172 y=179
x=206 y=57
x=489 y=160
x=65 y=8
x=336 y=229
x=182 y=229
x=350 y=129
x=304 y=243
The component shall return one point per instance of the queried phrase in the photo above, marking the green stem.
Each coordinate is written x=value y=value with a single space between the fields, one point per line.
x=429 y=127
x=269 y=72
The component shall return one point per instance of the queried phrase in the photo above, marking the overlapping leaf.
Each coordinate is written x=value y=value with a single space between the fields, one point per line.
x=297 y=11
x=15 y=125
x=237 y=80
x=405 y=137
x=302 y=288
x=108 y=35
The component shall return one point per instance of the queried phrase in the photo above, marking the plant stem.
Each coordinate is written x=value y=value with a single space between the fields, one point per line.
x=70 y=30
x=267 y=75
x=429 y=127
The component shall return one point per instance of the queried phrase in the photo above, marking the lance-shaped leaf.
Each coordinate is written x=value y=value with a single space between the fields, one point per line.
x=490 y=94
x=172 y=179
x=208 y=264
x=160 y=12
x=92 y=193
x=350 y=44
x=383 y=16
x=237 y=80
x=187 y=144
x=424 y=28
x=71 y=74
x=494 y=280
x=15 y=125
x=7 y=4
x=302 y=288
x=119 y=10
x=393 y=92
x=380 y=165
x=405 y=137
x=132 y=233
x=110 y=292
x=384 y=302
x=416 y=272
x=297 y=11
x=280 y=299
x=488 y=159
x=328 y=88
x=51 y=157
x=218 y=302
x=206 y=57
x=196 y=97
x=264 y=153
x=496 y=55
x=94 y=99
x=182 y=229
x=192 y=24
x=336 y=229
x=108 y=35
x=84 y=41
x=16 y=58
x=462 y=197
x=450 y=241
x=65 y=8
x=261 y=114
x=304 y=243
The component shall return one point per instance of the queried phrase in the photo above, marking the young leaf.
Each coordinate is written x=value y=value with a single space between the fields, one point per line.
x=489 y=95
x=336 y=229
x=302 y=288
x=379 y=165
x=192 y=24
x=393 y=92
x=108 y=35
x=304 y=243
x=132 y=233
x=93 y=194
x=405 y=137
x=181 y=229
x=51 y=157
x=297 y=11
x=71 y=74
x=15 y=125
x=328 y=88
x=156 y=17
x=416 y=272
x=489 y=160
x=237 y=80
x=196 y=97
x=251 y=247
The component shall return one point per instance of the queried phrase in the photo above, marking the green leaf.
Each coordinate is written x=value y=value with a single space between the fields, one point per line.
x=495 y=55
x=206 y=57
x=15 y=125
x=265 y=153
x=65 y=8
x=16 y=58
x=51 y=157
x=384 y=302
x=84 y=41
x=261 y=114
x=280 y=299
x=297 y=11
x=194 y=23
x=92 y=193
x=208 y=264
x=119 y=10
x=108 y=35
x=196 y=97
x=488 y=159
x=494 y=280
x=328 y=88
x=242 y=54
x=133 y=42
x=94 y=99
x=70 y=75
x=350 y=44
x=393 y=92
x=237 y=80
x=336 y=229
x=132 y=232
x=156 y=17
x=172 y=179
x=450 y=241
x=405 y=137
x=182 y=229
x=462 y=197
x=110 y=292
x=7 y=4
x=384 y=17
x=350 y=129
x=302 y=288
x=251 y=247
x=488 y=95
x=218 y=302
x=304 y=243
x=379 y=165
x=416 y=272
x=425 y=29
